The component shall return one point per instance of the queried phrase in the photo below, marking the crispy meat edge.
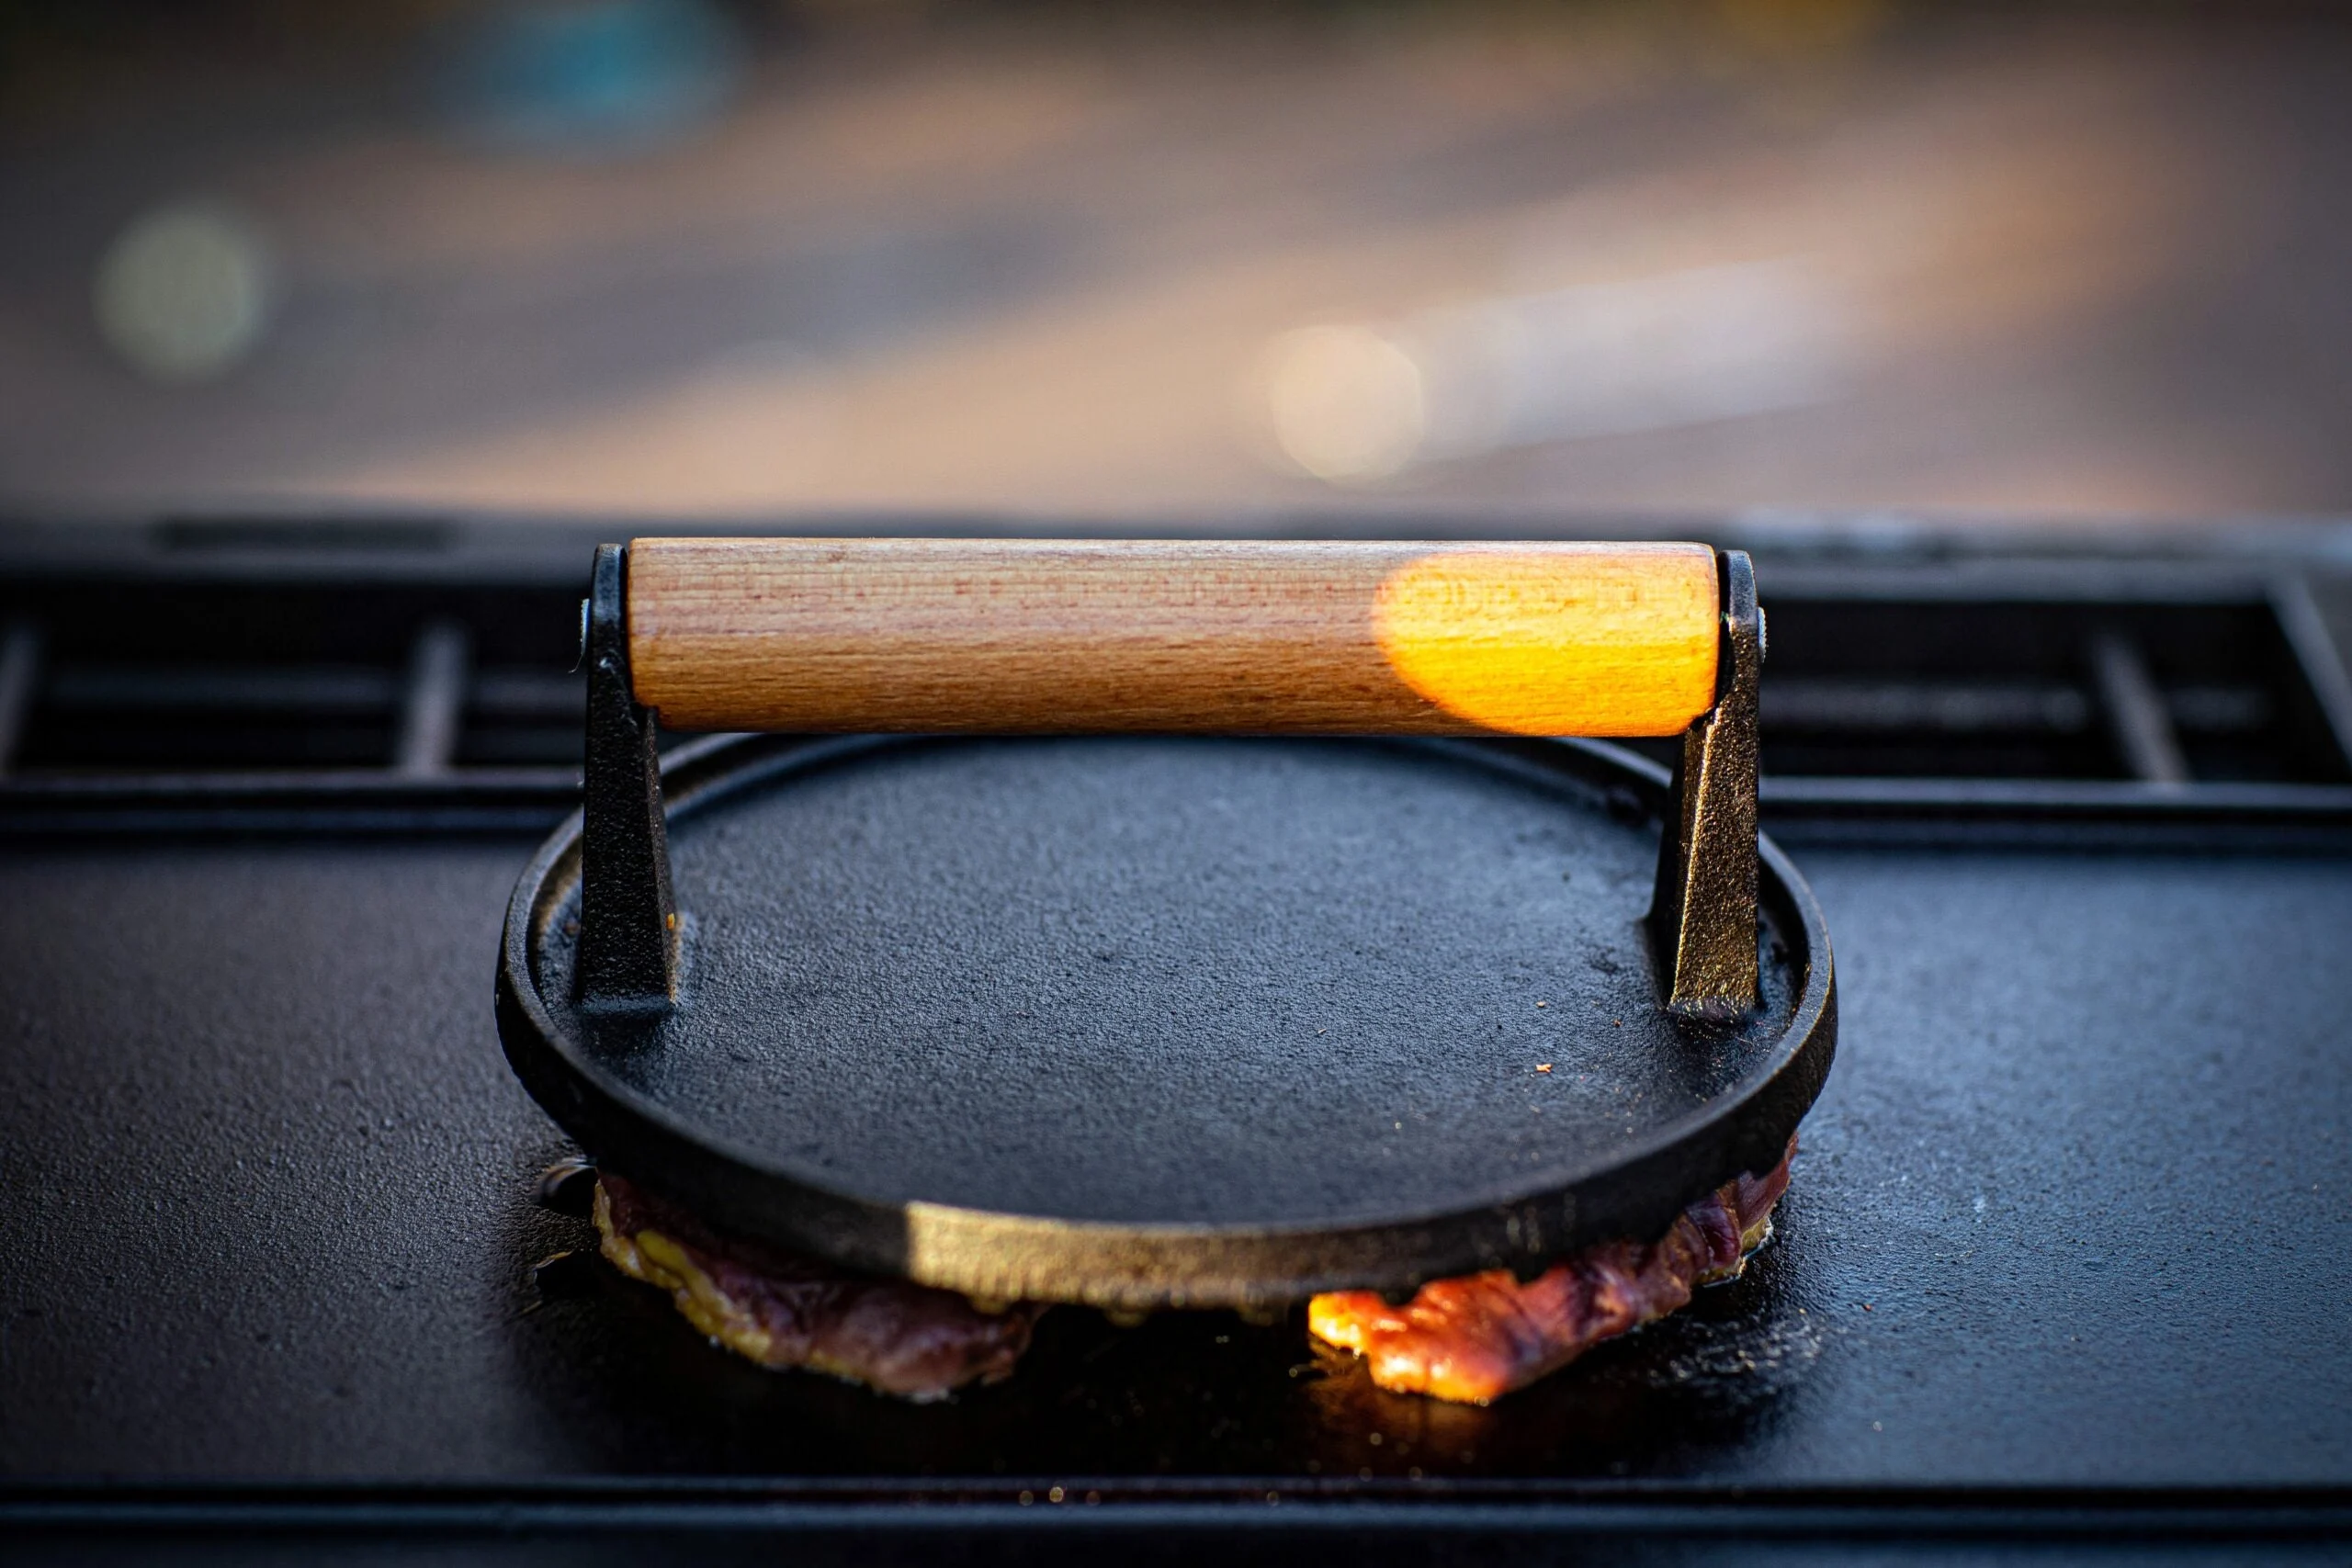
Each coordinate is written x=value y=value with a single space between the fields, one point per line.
x=1474 y=1337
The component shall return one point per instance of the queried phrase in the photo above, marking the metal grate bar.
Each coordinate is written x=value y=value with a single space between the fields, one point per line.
x=316 y=689
x=2136 y=712
x=2323 y=662
x=434 y=703
x=1939 y=706
x=19 y=674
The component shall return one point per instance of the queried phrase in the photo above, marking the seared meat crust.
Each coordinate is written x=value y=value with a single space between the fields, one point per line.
x=782 y=1310
x=1478 y=1337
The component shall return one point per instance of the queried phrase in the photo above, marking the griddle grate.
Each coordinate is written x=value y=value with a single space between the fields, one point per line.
x=370 y=674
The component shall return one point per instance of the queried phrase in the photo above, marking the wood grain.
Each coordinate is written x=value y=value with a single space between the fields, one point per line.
x=1036 y=635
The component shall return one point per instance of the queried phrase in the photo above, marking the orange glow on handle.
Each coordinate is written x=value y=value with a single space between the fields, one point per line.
x=1555 y=644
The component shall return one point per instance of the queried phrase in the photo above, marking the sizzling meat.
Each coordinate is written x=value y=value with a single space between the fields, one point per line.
x=1470 y=1339
x=1481 y=1336
x=786 y=1311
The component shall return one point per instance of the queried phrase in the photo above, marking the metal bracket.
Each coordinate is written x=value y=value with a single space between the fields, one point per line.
x=628 y=921
x=1703 y=918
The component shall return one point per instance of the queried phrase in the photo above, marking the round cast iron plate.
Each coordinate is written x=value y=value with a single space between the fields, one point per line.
x=1160 y=1021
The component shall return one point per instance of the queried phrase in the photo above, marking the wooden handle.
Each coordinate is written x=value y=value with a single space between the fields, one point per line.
x=1043 y=636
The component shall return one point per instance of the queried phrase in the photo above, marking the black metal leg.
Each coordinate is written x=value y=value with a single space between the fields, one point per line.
x=628 y=922
x=1702 y=919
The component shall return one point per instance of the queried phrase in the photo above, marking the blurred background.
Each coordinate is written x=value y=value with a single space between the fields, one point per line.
x=1119 y=260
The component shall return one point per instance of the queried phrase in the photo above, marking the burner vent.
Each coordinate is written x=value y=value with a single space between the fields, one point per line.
x=2163 y=693
x=210 y=679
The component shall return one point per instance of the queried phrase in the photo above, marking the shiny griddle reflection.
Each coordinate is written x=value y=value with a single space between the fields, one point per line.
x=1189 y=981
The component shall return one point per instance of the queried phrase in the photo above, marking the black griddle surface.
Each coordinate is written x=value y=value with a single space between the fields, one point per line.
x=2070 y=1212
x=1173 y=981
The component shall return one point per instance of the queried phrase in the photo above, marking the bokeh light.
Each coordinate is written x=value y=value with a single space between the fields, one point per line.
x=183 y=292
x=746 y=257
x=1347 y=403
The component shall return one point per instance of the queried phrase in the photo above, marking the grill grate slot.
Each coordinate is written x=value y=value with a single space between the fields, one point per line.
x=2161 y=694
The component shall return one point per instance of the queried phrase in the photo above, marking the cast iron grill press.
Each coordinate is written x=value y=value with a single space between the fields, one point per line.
x=1167 y=1017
